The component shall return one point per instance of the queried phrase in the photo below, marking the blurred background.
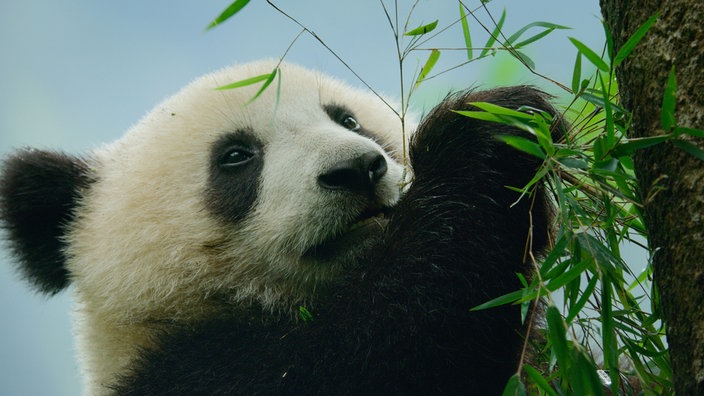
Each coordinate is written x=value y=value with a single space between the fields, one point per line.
x=76 y=74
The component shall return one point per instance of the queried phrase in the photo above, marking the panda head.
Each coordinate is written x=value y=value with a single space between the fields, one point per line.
x=211 y=199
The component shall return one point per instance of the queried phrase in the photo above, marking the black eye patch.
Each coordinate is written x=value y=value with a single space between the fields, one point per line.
x=342 y=116
x=236 y=163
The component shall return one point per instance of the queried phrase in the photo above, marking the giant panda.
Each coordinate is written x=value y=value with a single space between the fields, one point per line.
x=281 y=245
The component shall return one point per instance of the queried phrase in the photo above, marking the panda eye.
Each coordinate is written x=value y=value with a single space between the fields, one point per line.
x=350 y=123
x=343 y=117
x=235 y=156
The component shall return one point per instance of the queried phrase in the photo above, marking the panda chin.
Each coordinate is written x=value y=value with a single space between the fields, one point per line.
x=356 y=239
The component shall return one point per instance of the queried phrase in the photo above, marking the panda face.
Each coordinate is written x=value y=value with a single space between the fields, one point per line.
x=212 y=199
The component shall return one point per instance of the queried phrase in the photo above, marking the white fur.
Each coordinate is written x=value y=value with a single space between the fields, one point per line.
x=144 y=246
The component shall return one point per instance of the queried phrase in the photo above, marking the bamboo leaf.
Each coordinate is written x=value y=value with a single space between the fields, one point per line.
x=596 y=98
x=568 y=276
x=547 y=25
x=514 y=387
x=428 y=66
x=421 y=30
x=609 y=344
x=635 y=144
x=481 y=115
x=494 y=34
x=557 y=336
x=690 y=148
x=525 y=59
x=304 y=314
x=533 y=38
x=577 y=73
x=496 y=109
x=549 y=28
x=669 y=100
x=498 y=301
x=576 y=308
x=246 y=81
x=465 y=31
x=603 y=255
x=592 y=56
x=585 y=380
x=689 y=131
x=631 y=43
x=609 y=41
x=231 y=10
x=267 y=82
x=523 y=144
x=538 y=379
x=574 y=163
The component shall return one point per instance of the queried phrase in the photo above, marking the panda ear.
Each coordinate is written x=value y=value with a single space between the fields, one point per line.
x=39 y=191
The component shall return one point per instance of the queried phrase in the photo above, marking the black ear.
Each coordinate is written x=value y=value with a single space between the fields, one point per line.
x=39 y=191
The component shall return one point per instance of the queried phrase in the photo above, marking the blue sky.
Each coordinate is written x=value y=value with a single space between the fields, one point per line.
x=76 y=74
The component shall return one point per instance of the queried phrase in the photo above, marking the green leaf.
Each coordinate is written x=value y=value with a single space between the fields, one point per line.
x=557 y=251
x=577 y=73
x=246 y=81
x=596 y=98
x=233 y=9
x=542 y=132
x=549 y=27
x=508 y=298
x=568 y=276
x=265 y=85
x=481 y=115
x=557 y=337
x=538 y=379
x=574 y=163
x=631 y=43
x=576 y=308
x=592 y=56
x=523 y=144
x=533 y=38
x=267 y=78
x=496 y=109
x=494 y=34
x=689 y=131
x=609 y=345
x=428 y=66
x=525 y=59
x=304 y=314
x=465 y=32
x=422 y=29
x=668 y=101
x=635 y=144
x=608 y=115
x=514 y=387
x=690 y=148
x=603 y=255
x=609 y=41
x=585 y=380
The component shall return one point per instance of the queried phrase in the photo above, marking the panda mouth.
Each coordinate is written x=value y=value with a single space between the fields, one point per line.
x=370 y=216
x=371 y=221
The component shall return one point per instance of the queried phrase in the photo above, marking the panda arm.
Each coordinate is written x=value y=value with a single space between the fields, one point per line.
x=456 y=239
x=403 y=322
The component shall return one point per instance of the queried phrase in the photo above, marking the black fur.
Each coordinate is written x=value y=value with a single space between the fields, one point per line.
x=39 y=191
x=232 y=187
x=400 y=322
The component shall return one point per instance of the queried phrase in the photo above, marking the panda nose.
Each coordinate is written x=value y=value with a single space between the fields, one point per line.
x=358 y=174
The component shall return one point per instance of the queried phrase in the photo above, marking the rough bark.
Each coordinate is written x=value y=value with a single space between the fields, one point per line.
x=671 y=181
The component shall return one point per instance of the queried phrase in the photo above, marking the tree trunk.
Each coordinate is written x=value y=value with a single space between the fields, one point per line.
x=671 y=180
